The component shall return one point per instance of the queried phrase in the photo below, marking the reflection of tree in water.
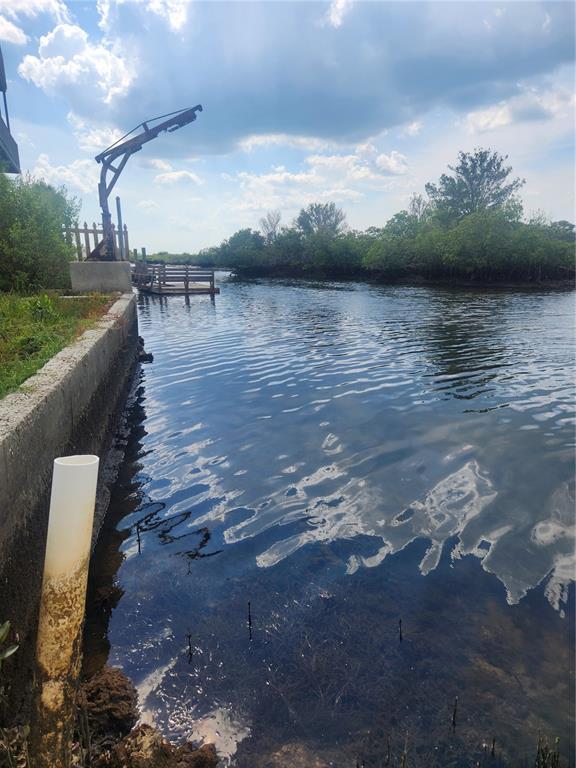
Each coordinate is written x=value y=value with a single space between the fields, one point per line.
x=463 y=342
x=164 y=527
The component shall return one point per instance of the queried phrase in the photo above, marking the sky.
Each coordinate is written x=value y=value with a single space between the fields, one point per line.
x=360 y=103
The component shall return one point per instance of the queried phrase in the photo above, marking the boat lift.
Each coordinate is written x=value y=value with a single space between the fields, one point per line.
x=121 y=151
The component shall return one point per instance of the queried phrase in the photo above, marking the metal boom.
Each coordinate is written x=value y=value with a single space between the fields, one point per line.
x=122 y=151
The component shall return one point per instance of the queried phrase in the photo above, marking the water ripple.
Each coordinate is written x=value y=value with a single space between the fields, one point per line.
x=388 y=385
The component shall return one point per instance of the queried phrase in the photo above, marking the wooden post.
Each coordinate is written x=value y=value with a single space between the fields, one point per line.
x=186 y=280
x=126 y=244
x=78 y=245
x=95 y=234
x=114 y=241
x=86 y=240
x=120 y=229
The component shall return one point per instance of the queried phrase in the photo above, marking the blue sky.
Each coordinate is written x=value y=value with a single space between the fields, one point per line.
x=357 y=102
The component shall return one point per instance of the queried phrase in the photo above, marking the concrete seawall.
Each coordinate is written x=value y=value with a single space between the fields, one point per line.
x=70 y=406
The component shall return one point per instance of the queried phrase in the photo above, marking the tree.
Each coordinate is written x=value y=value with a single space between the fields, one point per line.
x=244 y=249
x=563 y=230
x=33 y=252
x=419 y=207
x=480 y=182
x=323 y=218
x=402 y=224
x=270 y=225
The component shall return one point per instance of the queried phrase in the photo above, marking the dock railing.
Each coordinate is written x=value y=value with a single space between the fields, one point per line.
x=85 y=239
x=173 y=278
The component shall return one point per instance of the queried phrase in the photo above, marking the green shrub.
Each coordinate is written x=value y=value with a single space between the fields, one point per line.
x=34 y=328
x=33 y=252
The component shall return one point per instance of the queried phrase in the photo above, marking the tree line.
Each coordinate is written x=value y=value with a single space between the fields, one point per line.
x=469 y=225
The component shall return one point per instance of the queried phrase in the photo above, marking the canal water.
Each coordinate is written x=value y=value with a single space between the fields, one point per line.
x=344 y=527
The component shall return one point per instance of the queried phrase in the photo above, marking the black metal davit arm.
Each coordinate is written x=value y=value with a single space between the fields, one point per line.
x=122 y=150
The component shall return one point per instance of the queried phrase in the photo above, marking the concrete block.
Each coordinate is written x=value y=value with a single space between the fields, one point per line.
x=100 y=276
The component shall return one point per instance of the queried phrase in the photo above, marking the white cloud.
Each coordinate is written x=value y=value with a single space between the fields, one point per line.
x=67 y=62
x=91 y=138
x=413 y=129
x=487 y=119
x=309 y=143
x=24 y=139
x=159 y=165
x=175 y=177
x=10 y=33
x=147 y=205
x=80 y=174
x=497 y=13
x=394 y=164
x=336 y=177
x=529 y=106
x=338 y=9
x=16 y=8
x=174 y=12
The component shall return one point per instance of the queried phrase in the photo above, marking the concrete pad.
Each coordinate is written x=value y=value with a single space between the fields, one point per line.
x=101 y=276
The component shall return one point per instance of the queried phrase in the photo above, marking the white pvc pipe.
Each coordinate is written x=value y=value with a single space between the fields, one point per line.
x=62 y=605
x=71 y=514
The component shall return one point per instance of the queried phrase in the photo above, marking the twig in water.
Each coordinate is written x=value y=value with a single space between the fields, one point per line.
x=404 y=761
x=400 y=629
x=249 y=622
x=493 y=750
x=189 y=636
x=454 y=713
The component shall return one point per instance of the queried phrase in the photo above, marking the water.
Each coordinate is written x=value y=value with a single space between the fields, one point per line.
x=309 y=466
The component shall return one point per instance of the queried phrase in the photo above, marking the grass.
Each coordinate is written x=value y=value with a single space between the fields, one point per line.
x=34 y=328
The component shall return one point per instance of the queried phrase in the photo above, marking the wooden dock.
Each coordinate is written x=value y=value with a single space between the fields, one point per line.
x=173 y=279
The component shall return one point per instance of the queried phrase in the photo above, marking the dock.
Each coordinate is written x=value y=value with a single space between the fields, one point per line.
x=173 y=279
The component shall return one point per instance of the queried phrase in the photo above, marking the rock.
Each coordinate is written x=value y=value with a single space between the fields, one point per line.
x=191 y=757
x=144 y=747
x=110 y=701
x=143 y=356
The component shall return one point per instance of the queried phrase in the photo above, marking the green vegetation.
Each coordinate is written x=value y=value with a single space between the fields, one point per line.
x=470 y=227
x=33 y=252
x=34 y=328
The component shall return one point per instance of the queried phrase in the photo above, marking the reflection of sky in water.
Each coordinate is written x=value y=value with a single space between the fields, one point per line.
x=285 y=416
x=349 y=408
